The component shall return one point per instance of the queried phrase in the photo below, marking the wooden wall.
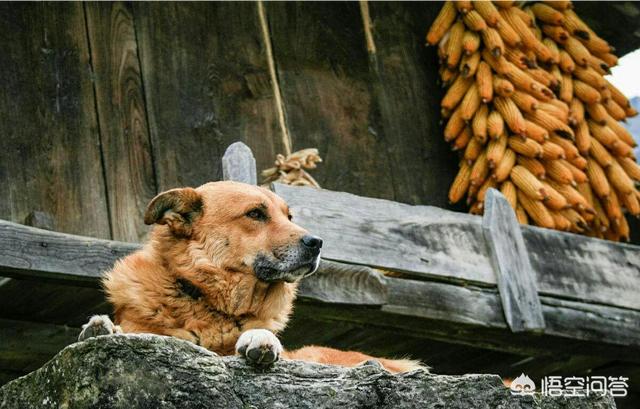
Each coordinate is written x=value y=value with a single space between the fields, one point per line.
x=102 y=105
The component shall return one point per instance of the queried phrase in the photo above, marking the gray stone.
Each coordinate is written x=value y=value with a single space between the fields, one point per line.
x=150 y=371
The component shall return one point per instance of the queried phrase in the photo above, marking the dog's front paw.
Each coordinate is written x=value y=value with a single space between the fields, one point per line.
x=98 y=325
x=259 y=347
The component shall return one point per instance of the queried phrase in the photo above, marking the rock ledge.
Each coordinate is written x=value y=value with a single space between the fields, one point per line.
x=150 y=371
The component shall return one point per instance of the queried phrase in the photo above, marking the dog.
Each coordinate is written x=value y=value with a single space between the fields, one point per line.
x=220 y=269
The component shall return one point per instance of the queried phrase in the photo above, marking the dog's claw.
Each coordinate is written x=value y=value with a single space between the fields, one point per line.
x=259 y=347
x=98 y=325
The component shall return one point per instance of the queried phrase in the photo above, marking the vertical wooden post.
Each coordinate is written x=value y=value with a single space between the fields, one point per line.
x=239 y=165
x=510 y=260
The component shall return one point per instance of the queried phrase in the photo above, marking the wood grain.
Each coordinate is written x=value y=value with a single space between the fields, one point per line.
x=49 y=145
x=122 y=117
x=510 y=261
x=323 y=73
x=404 y=78
x=206 y=85
x=442 y=245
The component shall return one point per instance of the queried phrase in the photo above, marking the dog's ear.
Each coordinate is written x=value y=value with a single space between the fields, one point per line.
x=177 y=208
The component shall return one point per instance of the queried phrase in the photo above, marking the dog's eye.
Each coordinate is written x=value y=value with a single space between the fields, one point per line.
x=257 y=214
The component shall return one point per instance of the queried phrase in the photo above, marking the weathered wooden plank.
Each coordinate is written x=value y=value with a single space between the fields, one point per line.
x=49 y=145
x=421 y=240
x=30 y=252
x=122 y=117
x=239 y=165
x=510 y=261
x=207 y=85
x=404 y=78
x=445 y=245
x=583 y=268
x=323 y=73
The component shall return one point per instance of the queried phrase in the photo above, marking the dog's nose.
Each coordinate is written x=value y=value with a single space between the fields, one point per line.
x=313 y=242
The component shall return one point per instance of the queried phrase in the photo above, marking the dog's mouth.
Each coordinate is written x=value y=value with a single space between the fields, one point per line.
x=274 y=270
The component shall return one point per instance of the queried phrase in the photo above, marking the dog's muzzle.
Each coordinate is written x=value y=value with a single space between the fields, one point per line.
x=290 y=263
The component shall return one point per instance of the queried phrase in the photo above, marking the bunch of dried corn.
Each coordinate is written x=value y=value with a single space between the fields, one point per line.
x=532 y=115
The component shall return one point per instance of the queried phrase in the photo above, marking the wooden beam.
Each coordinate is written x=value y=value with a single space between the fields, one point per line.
x=30 y=252
x=510 y=260
x=437 y=244
x=239 y=165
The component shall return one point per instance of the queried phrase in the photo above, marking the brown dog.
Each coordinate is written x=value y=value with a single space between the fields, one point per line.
x=220 y=270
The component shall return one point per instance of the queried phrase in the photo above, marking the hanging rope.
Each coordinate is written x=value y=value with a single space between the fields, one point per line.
x=290 y=170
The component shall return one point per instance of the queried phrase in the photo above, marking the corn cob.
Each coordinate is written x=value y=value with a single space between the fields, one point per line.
x=630 y=167
x=578 y=224
x=623 y=229
x=474 y=21
x=495 y=150
x=630 y=202
x=527 y=147
x=460 y=183
x=489 y=183
x=493 y=41
x=612 y=207
x=508 y=189
x=603 y=134
x=578 y=175
x=511 y=114
x=558 y=172
x=556 y=33
x=536 y=132
x=503 y=169
x=473 y=150
x=462 y=140
x=585 y=92
x=495 y=124
x=521 y=215
x=470 y=42
x=576 y=111
x=560 y=221
x=598 y=179
x=470 y=103
x=488 y=12
x=442 y=23
x=552 y=151
x=480 y=170
x=547 y=14
x=589 y=76
x=479 y=123
x=570 y=150
x=499 y=65
x=532 y=165
x=566 y=88
x=619 y=179
x=618 y=96
x=536 y=210
x=575 y=25
x=469 y=65
x=508 y=34
x=456 y=92
x=528 y=183
x=609 y=59
x=579 y=162
x=614 y=110
x=598 y=113
x=621 y=149
x=550 y=123
x=559 y=4
x=524 y=101
x=484 y=82
x=600 y=66
x=621 y=132
x=502 y=87
x=555 y=111
x=454 y=45
x=554 y=200
x=566 y=62
x=454 y=126
x=574 y=198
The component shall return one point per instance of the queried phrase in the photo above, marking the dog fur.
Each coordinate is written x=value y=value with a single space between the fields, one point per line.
x=220 y=269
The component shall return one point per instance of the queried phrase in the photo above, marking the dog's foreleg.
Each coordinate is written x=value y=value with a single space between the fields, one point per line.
x=260 y=347
x=98 y=325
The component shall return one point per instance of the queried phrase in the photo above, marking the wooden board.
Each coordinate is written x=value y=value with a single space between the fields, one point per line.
x=124 y=132
x=510 y=260
x=323 y=73
x=206 y=85
x=49 y=145
x=404 y=75
x=444 y=245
